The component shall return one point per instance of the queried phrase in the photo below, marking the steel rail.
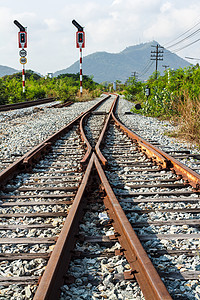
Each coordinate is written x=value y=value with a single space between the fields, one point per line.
x=160 y=160
x=53 y=276
x=26 y=161
x=60 y=257
x=141 y=266
x=83 y=137
x=163 y=159
x=146 y=147
x=102 y=135
x=19 y=105
x=88 y=146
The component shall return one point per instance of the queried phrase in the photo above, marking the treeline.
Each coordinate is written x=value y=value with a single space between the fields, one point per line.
x=174 y=96
x=64 y=86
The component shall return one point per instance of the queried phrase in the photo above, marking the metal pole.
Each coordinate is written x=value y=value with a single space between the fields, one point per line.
x=23 y=77
x=81 y=76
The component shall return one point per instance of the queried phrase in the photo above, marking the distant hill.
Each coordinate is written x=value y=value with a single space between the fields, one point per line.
x=120 y=66
x=7 y=71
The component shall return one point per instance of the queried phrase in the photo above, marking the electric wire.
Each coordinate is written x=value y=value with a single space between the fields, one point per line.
x=188 y=37
x=165 y=45
x=186 y=46
x=146 y=69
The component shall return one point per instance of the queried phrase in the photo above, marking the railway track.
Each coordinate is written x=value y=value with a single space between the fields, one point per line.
x=20 y=105
x=44 y=206
x=22 y=129
x=147 y=129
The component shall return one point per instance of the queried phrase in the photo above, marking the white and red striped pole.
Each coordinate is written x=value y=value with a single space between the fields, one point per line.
x=23 y=77
x=22 y=36
x=81 y=73
x=80 y=43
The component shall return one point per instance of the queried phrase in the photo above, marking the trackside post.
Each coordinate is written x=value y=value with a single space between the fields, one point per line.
x=80 y=43
x=22 y=40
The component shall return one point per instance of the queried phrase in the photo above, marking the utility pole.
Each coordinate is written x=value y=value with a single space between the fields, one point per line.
x=134 y=74
x=157 y=55
x=164 y=66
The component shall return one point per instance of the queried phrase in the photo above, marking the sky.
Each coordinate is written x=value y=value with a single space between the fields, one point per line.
x=109 y=25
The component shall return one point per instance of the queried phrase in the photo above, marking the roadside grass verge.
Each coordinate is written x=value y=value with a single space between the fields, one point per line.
x=188 y=120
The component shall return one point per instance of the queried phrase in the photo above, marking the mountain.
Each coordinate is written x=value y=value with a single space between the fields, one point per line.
x=120 y=66
x=7 y=71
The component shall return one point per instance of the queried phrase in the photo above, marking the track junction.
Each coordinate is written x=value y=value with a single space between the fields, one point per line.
x=47 y=192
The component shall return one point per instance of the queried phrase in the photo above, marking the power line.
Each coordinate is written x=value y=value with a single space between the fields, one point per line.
x=146 y=66
x=192 y=58
x=188 y=37
x=165 y=45
x=146 y=69
x=186 y=46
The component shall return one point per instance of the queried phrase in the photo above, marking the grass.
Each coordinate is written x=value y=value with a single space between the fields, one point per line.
x=87 y=95
x=188 y=119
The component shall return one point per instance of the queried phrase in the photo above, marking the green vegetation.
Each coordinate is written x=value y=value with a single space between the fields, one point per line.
x=174 y=96
x=65 y=87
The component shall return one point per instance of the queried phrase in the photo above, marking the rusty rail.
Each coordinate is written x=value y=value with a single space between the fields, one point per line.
x=102 y=135
x=163 y=159
x=26 y=104
x=142 y=144
x=26 y=161
x=53 y=276
x=83 y=137
x=141 y=266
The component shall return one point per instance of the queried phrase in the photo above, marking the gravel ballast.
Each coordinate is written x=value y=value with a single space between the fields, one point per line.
x=22 y=129
x=151 y=128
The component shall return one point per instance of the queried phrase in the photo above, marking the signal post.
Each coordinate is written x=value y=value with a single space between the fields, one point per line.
x=80 y=43
x=22 y=40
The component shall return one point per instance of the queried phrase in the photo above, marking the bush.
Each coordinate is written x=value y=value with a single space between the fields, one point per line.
x=65 y=86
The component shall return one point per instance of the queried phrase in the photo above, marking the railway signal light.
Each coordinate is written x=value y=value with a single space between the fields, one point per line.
x=22 y=38
x=80 y=39
x=80 y=43
x=22 y=35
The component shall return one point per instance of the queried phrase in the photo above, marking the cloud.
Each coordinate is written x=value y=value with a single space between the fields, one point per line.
x=110 y=25
x=171 y=22
x=52 y=24
x=166 y=7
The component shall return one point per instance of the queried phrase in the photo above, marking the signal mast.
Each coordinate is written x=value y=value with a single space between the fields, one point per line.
x=80 y=43
x=22 y=39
